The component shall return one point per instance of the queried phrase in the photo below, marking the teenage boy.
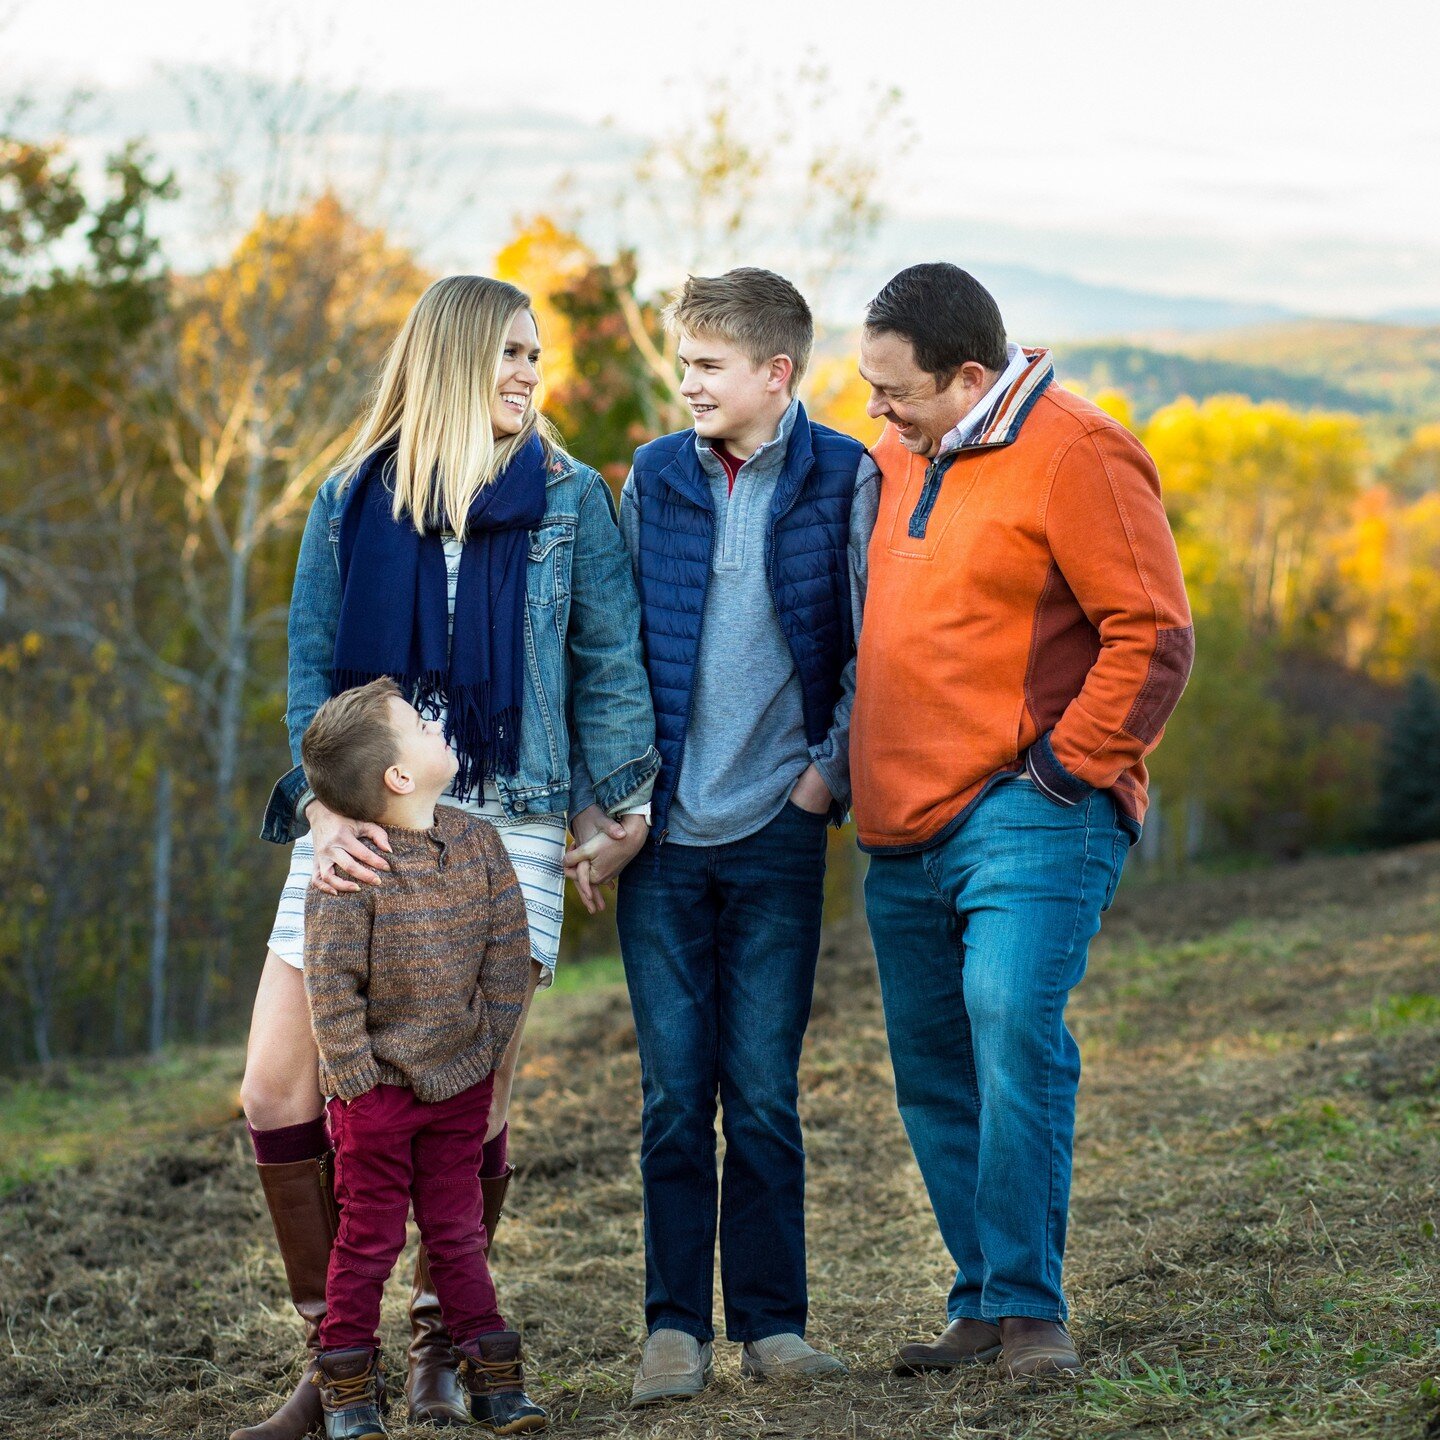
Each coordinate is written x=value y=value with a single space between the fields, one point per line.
x=1026 y=602
x=747 y=534
x=415 y=989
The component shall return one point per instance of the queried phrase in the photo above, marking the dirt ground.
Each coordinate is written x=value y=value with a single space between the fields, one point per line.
x=1253 y=1236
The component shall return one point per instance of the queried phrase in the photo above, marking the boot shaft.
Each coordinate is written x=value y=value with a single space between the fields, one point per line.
x=301 y=1200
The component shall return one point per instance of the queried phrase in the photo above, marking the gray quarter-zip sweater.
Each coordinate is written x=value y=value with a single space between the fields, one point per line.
x=745 y=745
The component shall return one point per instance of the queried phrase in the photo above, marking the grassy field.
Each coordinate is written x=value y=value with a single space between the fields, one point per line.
x=1253 y=1237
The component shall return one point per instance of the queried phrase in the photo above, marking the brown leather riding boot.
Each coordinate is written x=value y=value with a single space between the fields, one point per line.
x=433 y=1387
x=302 y=1208
x=492 y=1192
x=1037 y=1349
x=962 y=1342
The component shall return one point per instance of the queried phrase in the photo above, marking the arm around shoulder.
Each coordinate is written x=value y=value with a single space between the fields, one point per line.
x=314 y=616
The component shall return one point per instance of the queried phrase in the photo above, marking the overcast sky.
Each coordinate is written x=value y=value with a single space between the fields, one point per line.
x=1269 y=150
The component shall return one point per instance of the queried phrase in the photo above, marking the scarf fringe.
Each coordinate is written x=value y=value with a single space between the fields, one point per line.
x=486 y=744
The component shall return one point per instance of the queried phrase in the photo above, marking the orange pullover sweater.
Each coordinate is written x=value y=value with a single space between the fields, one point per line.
x=1025 y=610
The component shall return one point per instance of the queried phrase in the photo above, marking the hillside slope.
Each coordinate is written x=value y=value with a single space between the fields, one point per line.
x=1396 y=364
x=1253 y=1239
x=1153 y=378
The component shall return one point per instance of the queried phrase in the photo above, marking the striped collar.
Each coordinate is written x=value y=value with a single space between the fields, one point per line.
x=1002 y=411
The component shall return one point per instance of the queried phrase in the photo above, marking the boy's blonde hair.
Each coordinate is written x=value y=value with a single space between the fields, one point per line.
x=434 y=398
x=759 y=312
x=348 y=747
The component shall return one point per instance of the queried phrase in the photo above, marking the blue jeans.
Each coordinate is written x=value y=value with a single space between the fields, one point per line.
x=979 y=941
x=720 y=944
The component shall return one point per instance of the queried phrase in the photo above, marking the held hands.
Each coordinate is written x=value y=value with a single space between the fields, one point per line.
x=341 y=851
x=811 y=793
x=603 y=848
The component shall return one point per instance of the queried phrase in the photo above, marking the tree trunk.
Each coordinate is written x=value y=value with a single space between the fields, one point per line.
x=38 y=996
x=215 y=962
x=160 y=906
x=37 y=962
x=1194 y=828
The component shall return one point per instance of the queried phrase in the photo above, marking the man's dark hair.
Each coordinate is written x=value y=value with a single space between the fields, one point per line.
x=946 y=314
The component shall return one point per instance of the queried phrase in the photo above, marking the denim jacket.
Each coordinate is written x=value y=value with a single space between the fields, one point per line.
x=586 y=693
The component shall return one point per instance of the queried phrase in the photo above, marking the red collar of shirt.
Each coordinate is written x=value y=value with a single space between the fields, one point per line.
x=731 y=462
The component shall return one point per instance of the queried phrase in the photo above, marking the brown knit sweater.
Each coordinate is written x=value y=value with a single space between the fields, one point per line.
x=419 y=981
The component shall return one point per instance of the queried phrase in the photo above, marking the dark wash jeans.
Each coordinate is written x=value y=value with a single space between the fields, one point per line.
x=979 y=941
x=720 y=946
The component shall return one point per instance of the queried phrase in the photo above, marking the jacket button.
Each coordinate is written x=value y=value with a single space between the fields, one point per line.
x=521 y=807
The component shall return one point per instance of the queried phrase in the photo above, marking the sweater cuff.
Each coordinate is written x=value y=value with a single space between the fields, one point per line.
x=351 y=1079
x=1054 y=780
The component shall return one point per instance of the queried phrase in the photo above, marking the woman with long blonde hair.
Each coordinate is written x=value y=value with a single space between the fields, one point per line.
x=460 y=551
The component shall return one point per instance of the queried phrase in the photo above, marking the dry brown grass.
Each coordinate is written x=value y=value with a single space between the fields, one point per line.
x=1252 y=1250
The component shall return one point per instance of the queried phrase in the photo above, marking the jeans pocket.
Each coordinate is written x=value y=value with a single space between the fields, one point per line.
x=1047 y=797
x=817 y=817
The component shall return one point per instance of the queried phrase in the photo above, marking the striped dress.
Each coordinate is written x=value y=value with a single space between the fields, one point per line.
x=535 y=845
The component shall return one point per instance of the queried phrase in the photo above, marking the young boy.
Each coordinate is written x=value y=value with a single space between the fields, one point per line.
x=415 y=988
x=748 y=535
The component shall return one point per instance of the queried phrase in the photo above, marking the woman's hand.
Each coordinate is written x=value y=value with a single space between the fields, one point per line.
x=340 y=850
x=598 y=860
x=591 y=821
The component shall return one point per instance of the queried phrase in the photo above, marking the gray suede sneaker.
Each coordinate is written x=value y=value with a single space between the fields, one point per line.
x=786 y=1357
x=675 y=1366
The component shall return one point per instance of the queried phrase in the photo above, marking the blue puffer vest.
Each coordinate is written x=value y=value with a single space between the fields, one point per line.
x=806 y=555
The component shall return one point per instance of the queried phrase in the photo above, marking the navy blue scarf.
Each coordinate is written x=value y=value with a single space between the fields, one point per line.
x=393 y=618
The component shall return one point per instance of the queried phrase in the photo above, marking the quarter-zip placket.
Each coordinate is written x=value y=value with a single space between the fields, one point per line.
x=935 y=473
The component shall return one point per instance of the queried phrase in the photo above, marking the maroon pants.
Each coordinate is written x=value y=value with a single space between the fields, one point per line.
x=392 y=1149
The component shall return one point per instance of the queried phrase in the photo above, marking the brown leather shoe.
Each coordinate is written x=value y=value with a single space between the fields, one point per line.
x=302 y=1208
x=961 y=1342
x=1031 y=1349
x=432 y=1387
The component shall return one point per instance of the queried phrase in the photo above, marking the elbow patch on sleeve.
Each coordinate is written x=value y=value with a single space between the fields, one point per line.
x=1170 y=664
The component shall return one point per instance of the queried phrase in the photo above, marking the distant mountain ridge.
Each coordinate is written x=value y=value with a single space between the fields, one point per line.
x=1398 y=365
x=1364 y=368
x=1153 y=378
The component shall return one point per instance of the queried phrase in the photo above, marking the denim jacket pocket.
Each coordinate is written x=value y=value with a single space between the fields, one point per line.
x=547 y=569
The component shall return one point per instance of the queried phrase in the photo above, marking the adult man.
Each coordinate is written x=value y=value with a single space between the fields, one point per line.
x=1026 y=637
